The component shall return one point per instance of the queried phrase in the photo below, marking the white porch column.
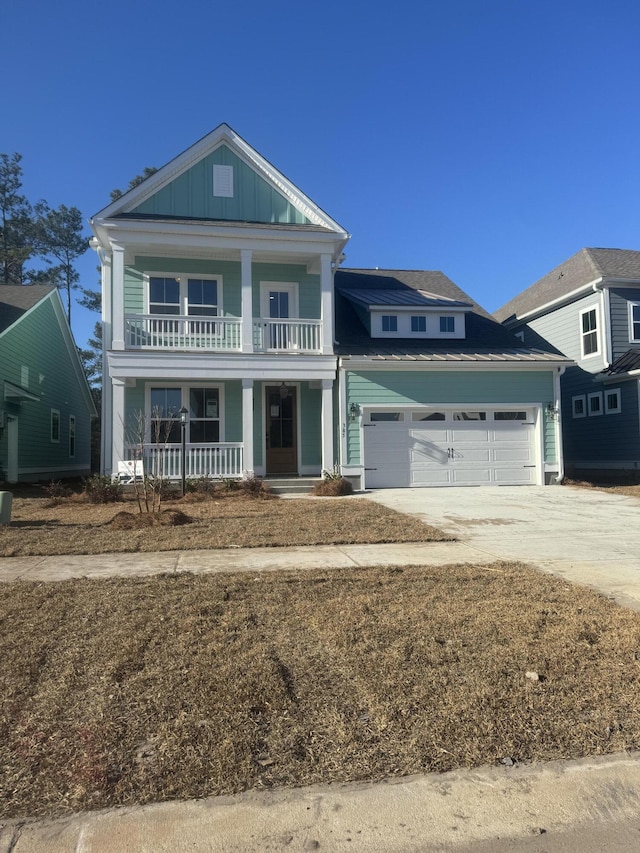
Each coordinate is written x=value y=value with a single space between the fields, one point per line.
x=117 y=423
x=247 y=424
x=326 y=420
x=247 y=300
x=326 y=304
x=117 y=298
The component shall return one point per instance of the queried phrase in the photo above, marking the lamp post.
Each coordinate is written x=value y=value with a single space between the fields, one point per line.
x=184 y=413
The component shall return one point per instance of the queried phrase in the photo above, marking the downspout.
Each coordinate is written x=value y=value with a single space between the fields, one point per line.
x=558 y=404
x=605 y=306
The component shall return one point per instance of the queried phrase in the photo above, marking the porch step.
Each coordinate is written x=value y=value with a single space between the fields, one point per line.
x=283 y=486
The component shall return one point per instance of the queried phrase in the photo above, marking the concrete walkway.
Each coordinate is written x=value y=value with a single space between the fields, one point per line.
x=592 y=805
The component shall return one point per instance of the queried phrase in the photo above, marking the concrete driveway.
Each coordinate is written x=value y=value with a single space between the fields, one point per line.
x=585 y=535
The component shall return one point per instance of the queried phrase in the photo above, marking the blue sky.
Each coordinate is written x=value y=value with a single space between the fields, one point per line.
x=490 y=139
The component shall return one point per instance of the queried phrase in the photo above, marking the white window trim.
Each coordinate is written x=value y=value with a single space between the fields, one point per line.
x=597 y=331
x=612 y=410
x=222 y=181
x=184 y=395
x=405 y=313
x=183 y=279
x=56 y=413
x=72 y=435
x=583 y=398
x=631 y=306
x=590 y=397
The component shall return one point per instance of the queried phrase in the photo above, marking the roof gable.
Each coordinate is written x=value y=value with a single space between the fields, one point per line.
x=184 y=189
x=581 y=270
x=16 y=300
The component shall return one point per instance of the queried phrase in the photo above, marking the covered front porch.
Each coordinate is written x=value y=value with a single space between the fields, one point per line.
x=224 y=427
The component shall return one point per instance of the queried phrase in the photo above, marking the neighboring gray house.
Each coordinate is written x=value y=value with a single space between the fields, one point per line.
x=588 y=309
x=45 y=401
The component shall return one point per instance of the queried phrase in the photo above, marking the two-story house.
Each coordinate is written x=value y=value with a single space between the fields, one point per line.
x=588 y=308
x=231 y=336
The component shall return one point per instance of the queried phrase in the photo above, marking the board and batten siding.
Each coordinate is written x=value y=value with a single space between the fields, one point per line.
x=621 y=338
x=448 y=387
x=35 y=356
x=561 y=328
x=191 y=195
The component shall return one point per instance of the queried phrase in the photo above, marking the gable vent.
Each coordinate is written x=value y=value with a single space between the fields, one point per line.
x=223 y=181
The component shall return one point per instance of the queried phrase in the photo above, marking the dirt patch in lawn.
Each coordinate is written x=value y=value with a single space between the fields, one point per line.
x=126 y=691
x=74 y=526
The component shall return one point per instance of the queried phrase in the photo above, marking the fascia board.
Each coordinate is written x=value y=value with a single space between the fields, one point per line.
x=219 y=237
x=358 y=363
x=618 y=377
x=223 y=134
x=554 y=303
x=181 y=367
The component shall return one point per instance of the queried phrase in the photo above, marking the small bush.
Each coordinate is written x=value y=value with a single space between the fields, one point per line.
x=56 y=491
x=202 y=486
x=333 y=488
x=255 y=487
x=102 y=490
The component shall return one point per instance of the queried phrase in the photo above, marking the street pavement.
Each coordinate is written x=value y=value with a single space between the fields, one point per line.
x=591 y=805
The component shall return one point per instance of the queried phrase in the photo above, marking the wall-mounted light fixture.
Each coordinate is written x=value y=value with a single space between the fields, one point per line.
x=284 y=392
x=552 y=411
x=354 y=411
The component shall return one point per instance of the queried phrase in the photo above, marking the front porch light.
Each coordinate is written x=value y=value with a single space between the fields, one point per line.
x=354 y=411
x=284 y=392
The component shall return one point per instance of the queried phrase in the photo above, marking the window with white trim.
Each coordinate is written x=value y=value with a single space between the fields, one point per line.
x=589 y=332
x=186 y=295
x=579 y=406
x=612 y=404
x=634 y=321
x=55 y=426
x=203 y=420
x=595 y=403
x=72 y=436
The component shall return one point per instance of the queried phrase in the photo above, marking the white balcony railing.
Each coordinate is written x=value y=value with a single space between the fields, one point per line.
x=201 y=460
x=152 y=331
x=220 y=334
x=287 y=335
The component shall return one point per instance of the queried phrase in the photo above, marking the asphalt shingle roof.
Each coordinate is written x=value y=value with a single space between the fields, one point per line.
x=486 y=340
x=580 y=269
x=15 y=300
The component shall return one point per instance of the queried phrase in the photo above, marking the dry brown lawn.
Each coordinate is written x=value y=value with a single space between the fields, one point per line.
x=74 y=526
x=630 y=489
x=126 y=691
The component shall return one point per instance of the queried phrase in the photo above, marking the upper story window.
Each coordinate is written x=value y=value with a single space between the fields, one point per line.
x=589 y=332
x=634 y=321
x=389 y=323
x=447 y=325
x=185 y=295
x=419 y=324
x=55 y=426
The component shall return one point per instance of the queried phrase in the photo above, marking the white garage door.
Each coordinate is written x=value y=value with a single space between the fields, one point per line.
x=449 y=447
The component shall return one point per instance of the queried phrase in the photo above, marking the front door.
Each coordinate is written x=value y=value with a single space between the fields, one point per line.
x=281 y=422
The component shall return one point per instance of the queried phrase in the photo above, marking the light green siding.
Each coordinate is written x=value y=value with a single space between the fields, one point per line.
x=34 y=355
x=308 y=286
x=447 y=387
x=310 y=420
x=191 y=195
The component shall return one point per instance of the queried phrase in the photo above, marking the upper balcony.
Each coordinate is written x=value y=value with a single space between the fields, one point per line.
x=221 y=334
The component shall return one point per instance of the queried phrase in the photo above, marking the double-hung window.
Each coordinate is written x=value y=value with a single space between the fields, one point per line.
x=589 y=332
x=634 y=321
x=202 y=422
x=193 y=296
x=389 y=323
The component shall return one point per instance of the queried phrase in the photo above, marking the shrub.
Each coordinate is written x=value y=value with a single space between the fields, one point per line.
x=333 y=487
x=255 y=487
x=201 y=486
x=102 y=490
x=56 y=491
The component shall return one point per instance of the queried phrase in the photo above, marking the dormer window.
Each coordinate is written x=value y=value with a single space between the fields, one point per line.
x=419 y=324
x=389 y=323
x=447 y=325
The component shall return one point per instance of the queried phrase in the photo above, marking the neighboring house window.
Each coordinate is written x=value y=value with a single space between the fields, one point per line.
x=72 y=436
x=447 y=325
x=389 y=323
x=634 y=321
x=589 y=332
x=595 y=403
x=612 y=404
x=579 y=406
x=418 y=324
x=55 y=425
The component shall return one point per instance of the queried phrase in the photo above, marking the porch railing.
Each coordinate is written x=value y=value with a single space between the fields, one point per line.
x=220 y=334
x=287 y=335
x=201 y=460
x=151 y=331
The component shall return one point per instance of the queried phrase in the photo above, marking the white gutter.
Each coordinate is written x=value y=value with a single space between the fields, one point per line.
x=543 y=309
x=558 y=405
